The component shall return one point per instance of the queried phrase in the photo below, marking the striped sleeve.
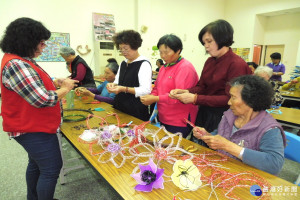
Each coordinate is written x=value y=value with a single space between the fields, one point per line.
x=21 y=78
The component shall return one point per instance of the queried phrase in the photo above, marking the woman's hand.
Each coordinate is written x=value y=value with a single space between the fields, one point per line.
x=114 y=88
x=198 y=132
x=58 y=82
x=216 y=142
x=186 y=98
x=149 y=99
x=173 y=93
x=111 y=87
x=68 y=84
x=83 y=91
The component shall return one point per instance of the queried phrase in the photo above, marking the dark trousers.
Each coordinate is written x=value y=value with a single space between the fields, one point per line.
x=44 y=164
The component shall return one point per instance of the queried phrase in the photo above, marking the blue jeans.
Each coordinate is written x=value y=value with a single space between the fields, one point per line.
x=44 y=164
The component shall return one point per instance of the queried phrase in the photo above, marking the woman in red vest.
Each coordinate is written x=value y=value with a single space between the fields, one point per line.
x=30 y=104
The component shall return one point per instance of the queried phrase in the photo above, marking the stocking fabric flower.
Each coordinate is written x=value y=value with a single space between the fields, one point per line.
x=149 y=177
x=186 y=175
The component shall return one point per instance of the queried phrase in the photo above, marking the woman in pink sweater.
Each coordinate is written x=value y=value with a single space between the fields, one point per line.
x=176 y=73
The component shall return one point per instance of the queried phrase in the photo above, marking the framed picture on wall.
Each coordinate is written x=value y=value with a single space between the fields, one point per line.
x=51 y=51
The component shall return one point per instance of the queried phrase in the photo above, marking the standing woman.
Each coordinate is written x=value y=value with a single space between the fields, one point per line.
x=79 y=68
x=177 y=73
x=277 y=66
x=30 y=104
x=211 y=93
x=133 y=78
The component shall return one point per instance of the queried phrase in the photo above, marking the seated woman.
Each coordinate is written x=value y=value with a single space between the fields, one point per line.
x=246 y=131
x=266 y=73
x=159 y=64
x=101 y=93
x=293 y=85
x=252 y=66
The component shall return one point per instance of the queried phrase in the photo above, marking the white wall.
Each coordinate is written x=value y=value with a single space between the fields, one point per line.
x=285 y=29
x=298 y=55
x=68 y=16
x=252 y=29
x=184 y=18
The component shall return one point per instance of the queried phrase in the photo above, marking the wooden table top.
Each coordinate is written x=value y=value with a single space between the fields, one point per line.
x=124 y=184
x=293 y=94
x=289 y=115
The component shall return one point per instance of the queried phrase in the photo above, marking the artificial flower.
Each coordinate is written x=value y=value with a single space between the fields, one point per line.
x=186 y=175
x=149 y=177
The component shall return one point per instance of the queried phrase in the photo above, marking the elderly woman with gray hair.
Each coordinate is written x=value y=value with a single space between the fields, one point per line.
x=266 y=73
x=247 y=132
x=79 y=68
x=101 y=93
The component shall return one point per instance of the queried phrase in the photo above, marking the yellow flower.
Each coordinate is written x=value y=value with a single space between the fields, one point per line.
x=186 y=175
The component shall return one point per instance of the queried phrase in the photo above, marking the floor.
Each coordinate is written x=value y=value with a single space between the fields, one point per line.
x=82 y=184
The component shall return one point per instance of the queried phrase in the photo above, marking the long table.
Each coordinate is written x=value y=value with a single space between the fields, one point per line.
x=123 y=183
x=290 y=95
x=289 y=117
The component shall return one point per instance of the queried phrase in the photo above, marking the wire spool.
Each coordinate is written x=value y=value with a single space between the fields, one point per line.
x=75 y=115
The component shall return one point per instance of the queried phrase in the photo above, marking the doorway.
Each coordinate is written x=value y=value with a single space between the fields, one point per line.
x=269 y=49
x=257 y=50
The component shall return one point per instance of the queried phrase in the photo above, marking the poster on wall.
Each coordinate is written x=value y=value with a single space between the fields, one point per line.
x=242 y=52
x=51 y=51
x=104 y=26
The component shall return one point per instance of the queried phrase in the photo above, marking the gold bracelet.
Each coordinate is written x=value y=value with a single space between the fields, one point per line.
x=126 y=90
x=195 y=99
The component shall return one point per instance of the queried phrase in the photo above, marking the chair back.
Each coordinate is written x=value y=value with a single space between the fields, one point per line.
x=292 y=149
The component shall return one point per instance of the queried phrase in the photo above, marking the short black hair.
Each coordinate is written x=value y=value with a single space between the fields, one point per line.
x=113 y=66
x=172 y=41
x=253 y=64
x=257 y=93
x=160 y=61
x=110 y=60
x=276 y=55
x=221 y=31
x=130 y=37
x=22 y=37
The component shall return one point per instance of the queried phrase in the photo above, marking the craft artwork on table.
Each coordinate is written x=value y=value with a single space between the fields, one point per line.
x=191 y=171
x=215 y=176
x=164 y=149
x=186 y=175
x=149 y=177
x=114 y=140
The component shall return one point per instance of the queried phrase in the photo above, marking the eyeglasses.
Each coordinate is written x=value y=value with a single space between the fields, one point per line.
x=124 y=50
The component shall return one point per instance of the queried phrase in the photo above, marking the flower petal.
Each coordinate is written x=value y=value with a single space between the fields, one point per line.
x=159 y=183
x=144 y=168
x=159 y=173
x=144 y=188
x=153 y=166
x=138 y=178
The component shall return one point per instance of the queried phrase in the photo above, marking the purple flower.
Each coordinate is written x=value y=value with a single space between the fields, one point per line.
x=130 y=133
x=149 y=177
x=106 y=135
x=113 y=147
